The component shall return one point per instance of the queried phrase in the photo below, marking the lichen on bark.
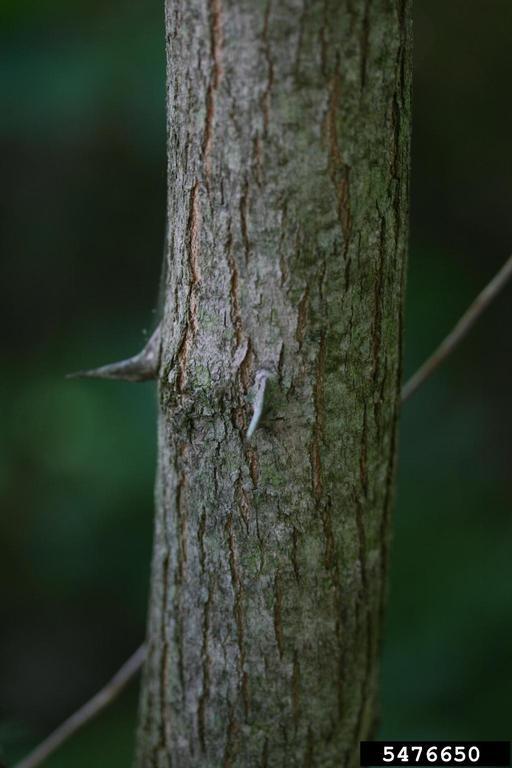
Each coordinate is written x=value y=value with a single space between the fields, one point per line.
x=288 y=160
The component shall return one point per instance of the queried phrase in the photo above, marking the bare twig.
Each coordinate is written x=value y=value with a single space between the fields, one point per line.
x=141 y=367
x=482 y=301
x=87 y=712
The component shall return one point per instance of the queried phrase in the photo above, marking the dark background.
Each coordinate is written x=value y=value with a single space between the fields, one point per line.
x=82 y=147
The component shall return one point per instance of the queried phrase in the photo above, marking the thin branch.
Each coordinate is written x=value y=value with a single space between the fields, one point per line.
x=87 y=712
x=468 y=319
x=141 y=367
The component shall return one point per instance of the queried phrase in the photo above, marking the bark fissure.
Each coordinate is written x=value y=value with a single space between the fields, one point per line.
x=265 y=99
x=238 y=611
x=278 y=607
x=216 y=74
x=302 y=316
x=339 y=170
x=318 y=396
x=236 y=317
x=203 y=699
x=164 y=664
x=365 y=35
x=244 y=202
x=193 y=226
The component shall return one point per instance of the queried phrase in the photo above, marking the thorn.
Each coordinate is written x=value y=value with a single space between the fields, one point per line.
x=140 y=367
x=262 y=376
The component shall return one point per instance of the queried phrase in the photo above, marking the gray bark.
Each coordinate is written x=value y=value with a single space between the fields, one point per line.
x=288 y=160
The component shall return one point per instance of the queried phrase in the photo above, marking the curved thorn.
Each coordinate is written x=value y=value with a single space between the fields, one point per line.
x=261 y=379
x=140 y=367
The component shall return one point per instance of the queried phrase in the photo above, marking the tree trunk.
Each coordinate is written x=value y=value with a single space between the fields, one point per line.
x=288 y=160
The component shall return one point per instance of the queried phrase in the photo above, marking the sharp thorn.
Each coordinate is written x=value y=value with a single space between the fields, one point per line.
x=260 y=384
x=140 y=367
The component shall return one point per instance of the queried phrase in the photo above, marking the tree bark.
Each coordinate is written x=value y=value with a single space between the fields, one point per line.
x=288 y=161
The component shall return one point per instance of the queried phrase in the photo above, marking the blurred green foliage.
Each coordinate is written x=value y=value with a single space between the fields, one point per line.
x=83 y=196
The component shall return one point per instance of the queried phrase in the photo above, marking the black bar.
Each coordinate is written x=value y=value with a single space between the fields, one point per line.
x=435 y=753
